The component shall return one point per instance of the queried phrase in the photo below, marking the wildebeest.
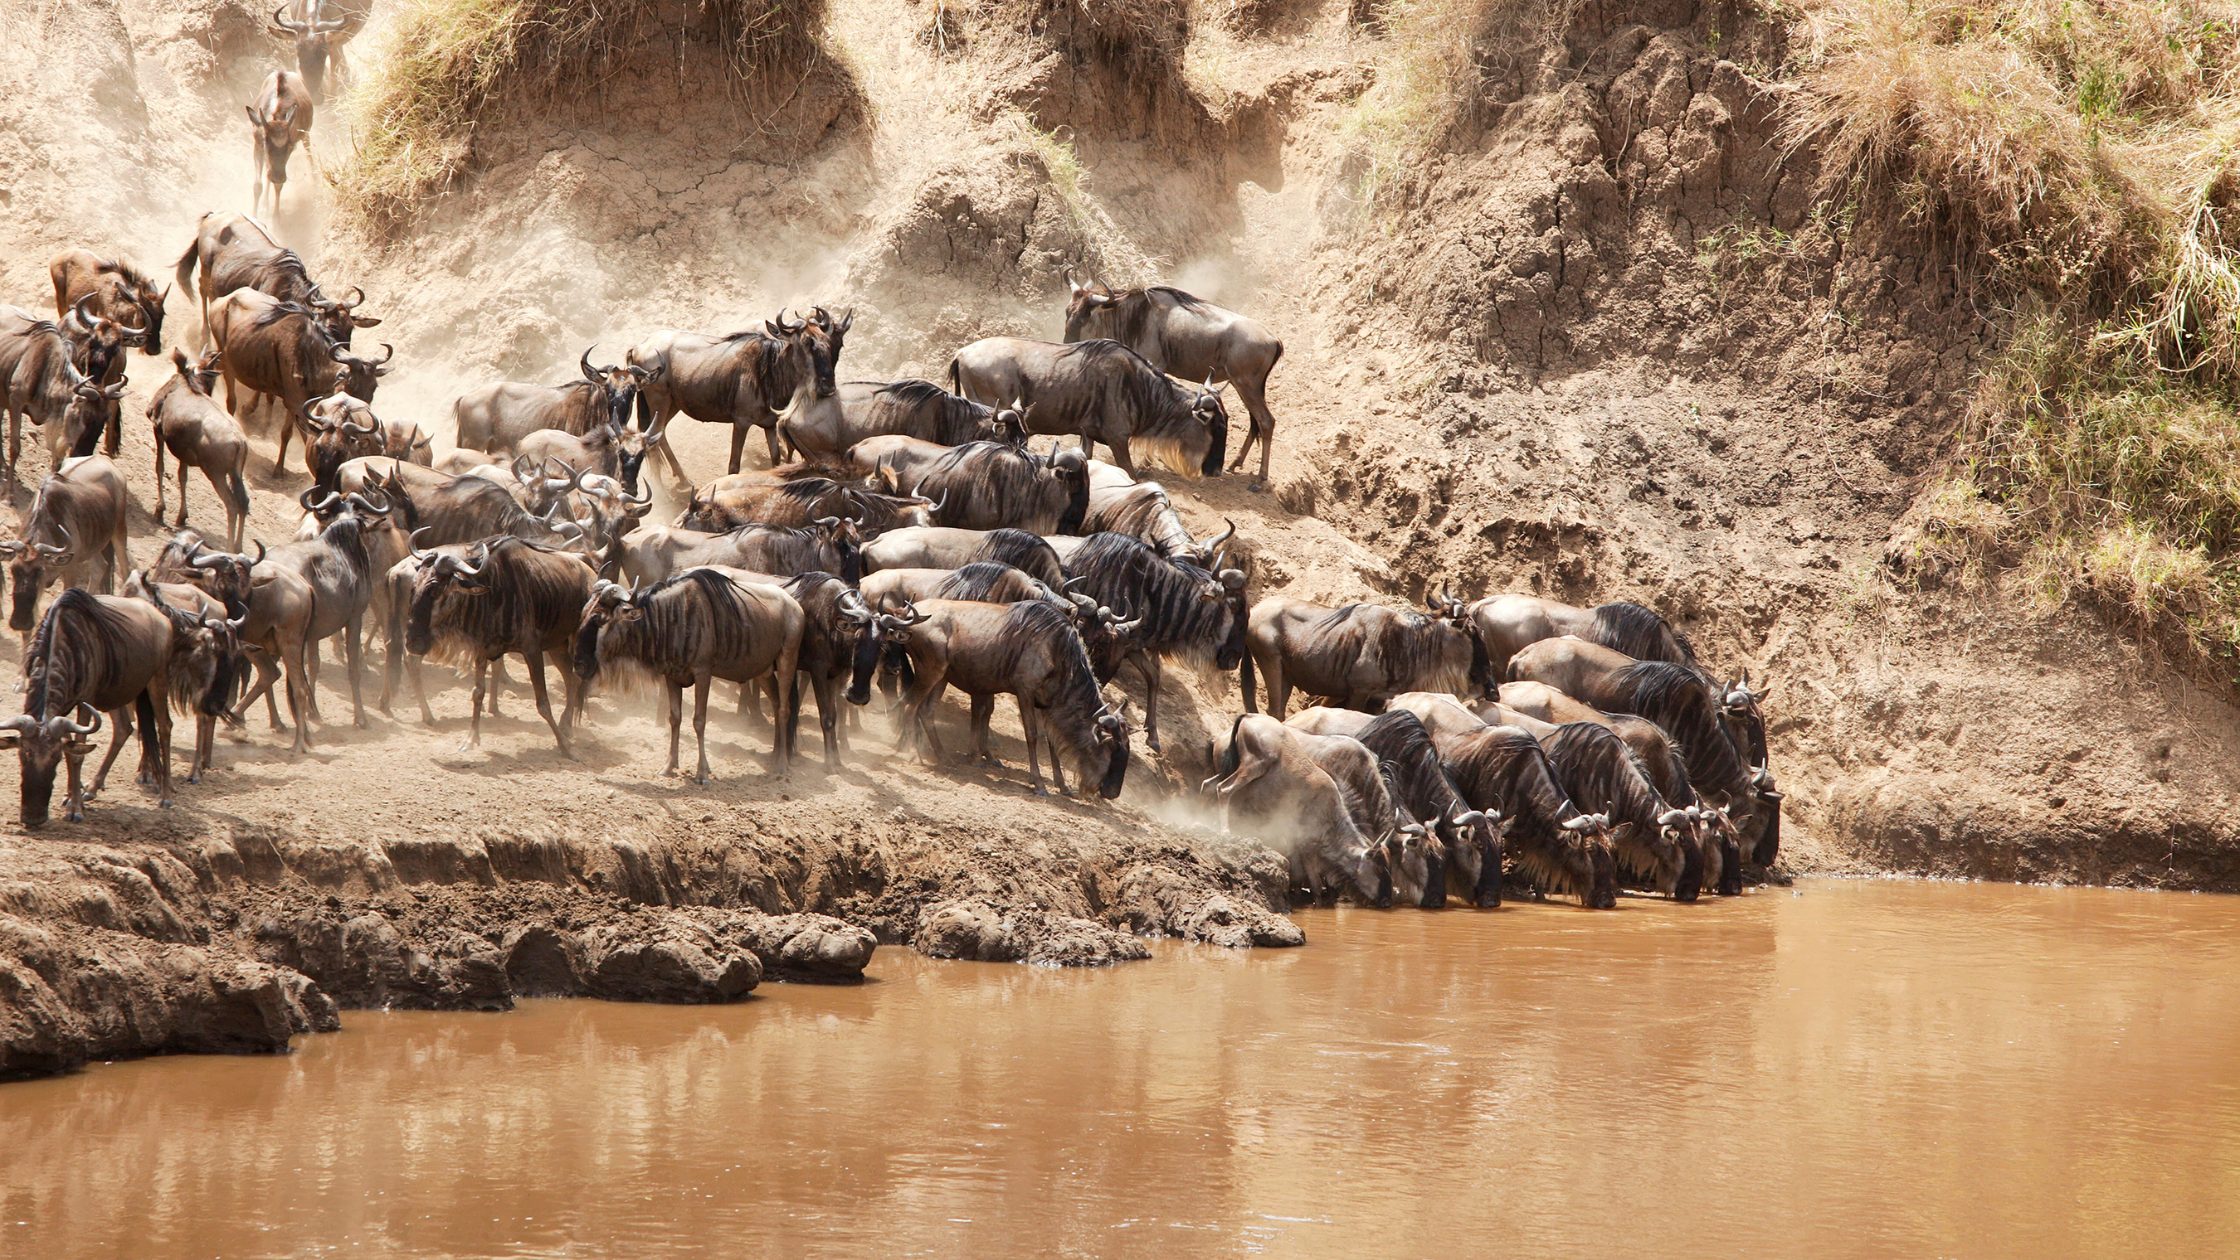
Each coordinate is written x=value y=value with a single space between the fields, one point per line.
x=1119 y=504
x=833 y=615
x=206 y=665
x=318 y=37
x=987 y=581
x=235 y=252
x=198 y=433
x=1189 y=337
x=651 y=553
x=279 y=119
x=496 y=417
x=1509 y=623
x=339 y=428
x=1185 y=611
x=606 y=450
x=120 y=291
x=1471 y=836
x=1653 y=839
x=703 y=624
x=1270 y=786
x=504 y=596
x=1104 y=392
x=994 y=485
x=868 y=409
x=1550 y=840
x=751 y=498
x=1361 y=655
x=738 y=379
x=1673 y=696
x=940 y=547
x=62 y=377
x=1029 y=651
x=75 y=532
x=270 y=347
x=1418 y=859
x=304 y=591
x=96 y=654
x=1715 y=830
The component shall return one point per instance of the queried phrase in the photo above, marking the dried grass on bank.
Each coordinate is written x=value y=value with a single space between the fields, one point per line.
x=2079 y=157
x=449 y=62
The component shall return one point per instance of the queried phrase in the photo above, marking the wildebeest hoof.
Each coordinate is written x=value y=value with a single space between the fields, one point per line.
x=74 y=815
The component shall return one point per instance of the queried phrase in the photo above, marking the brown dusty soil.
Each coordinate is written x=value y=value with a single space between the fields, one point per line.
x=1538 y=364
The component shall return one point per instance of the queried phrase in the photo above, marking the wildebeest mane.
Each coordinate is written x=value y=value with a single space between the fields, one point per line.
x=1640 y=633
x=1022 y=551
x=78 y=651
x=1600 y=769
x=1399 y=740
x=1508 y=769
x=1076 y=699
x=1125 y=574
x=1145 y=511
x=1677 y=699
x=984 y=580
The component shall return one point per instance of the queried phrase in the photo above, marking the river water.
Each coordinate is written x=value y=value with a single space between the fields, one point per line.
x=1846 y=1069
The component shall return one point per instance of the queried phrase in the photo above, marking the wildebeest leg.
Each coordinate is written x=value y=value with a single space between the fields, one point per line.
x=1152 y=668
x=153 y=700
x=287 y=431
x=738 y=444
x=918 y=708
x=351 y=634
x=770 y=434
x=983 y=708
x=299 y=684
x=216 y=488
x=481 y=688
x=74 y=802
x=120 y=730
x=544 y=700
x=571 y=691
x=700 y=687
x=159 y=484
x=669 y=453
x=498 y=683
x=673 y=696
x=261 y=658
x=829 y=718
x=1027 y=725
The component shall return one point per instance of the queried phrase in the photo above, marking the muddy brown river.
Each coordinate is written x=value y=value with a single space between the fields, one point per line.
x=1849 y=1069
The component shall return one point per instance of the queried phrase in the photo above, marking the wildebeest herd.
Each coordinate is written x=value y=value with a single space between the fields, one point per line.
x=905 y=537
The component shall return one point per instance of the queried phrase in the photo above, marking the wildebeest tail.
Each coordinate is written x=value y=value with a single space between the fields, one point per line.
x=1245 y=682
x=1225 y=762
x=185 y=270
x=956 y=378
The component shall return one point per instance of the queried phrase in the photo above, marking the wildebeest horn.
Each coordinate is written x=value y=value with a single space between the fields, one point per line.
x=260 y=552
x=1672 y=817
x=476 y=561
x=352 y=303
x=87 y=727
x=78 y=316
x=423 y=555
x=1229 y=531
x=590 y=373
x=280 y=19
x=1468 y=818
x=322 y=505
x=388 y=352
x=1072 y=285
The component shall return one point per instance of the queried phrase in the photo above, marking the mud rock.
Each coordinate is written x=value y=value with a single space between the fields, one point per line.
x=815 y=948
x=977 y=931
x=659 y=958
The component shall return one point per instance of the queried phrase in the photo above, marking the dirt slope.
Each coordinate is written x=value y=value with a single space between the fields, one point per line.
x=1605 y=346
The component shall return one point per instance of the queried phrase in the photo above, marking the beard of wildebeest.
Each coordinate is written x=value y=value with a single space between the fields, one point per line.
x=866 y=664
x=27 y=575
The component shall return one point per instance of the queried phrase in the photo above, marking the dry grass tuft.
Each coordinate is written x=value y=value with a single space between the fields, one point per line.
x=1432 y=62
x=2080 y=157
x=451 y=61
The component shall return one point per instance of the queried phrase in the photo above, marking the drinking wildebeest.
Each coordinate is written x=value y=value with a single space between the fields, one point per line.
x=691 y=629
x=1186 y=336
x=1550 y=839
x=1673 y=696
x=1271 y=788
x=1471 y=836
x=1185 y=611
x=1029 y=651
x=197 y=432
x=1104 y=392
x=279 y=118
x=738 y=379
x=1417 y=857
x=1653 y=839
x=1361 y=655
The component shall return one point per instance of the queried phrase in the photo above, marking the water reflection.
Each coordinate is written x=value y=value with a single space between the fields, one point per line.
x=1862 y=1069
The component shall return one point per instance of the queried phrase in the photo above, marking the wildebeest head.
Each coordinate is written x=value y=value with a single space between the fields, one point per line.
x=1084 y=301
x=1589 y=861
x=142 y=293
x=1206 y=409
x=314 y=40
x=846 y=539
x=29 y=562
x=359 y=375
x=223 y=575
x=199 y=374
x=441 y=572
x=832 y=334
x=631 y=446
x=1716 y=832
x=1768 y=846
x=1112 y=746
x=1370 y=869
x=1679 y=850
x=89 y=404
x=808 y=351
x=339 y=318
x=1105 y=632
x=276 y=132
x=620 y=383
x=338 y=428
x=1420 y=859
x=883 y=640
x=865 y=659
x=1474 y=844
x=40 y=748
x=611 y=603
x=96 y=338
